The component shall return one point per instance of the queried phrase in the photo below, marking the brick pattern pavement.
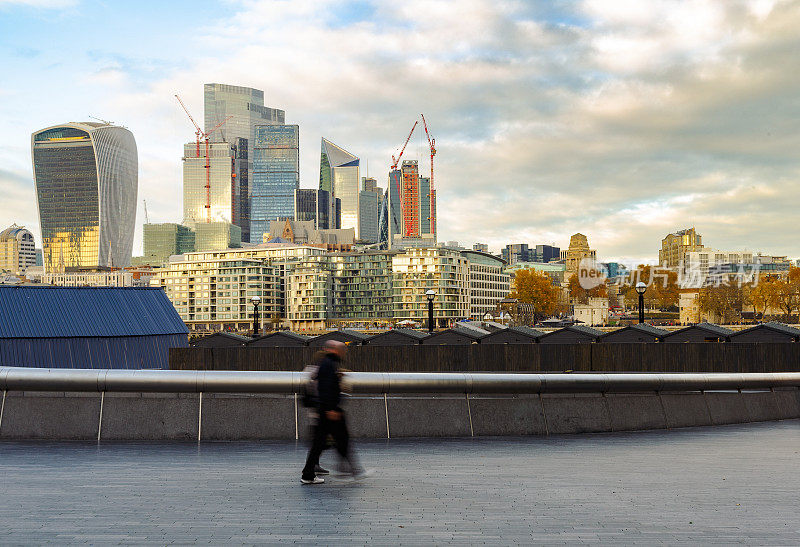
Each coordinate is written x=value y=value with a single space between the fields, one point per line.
x=726 y=485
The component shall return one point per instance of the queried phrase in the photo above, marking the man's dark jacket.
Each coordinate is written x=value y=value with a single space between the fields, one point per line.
x=328 y=388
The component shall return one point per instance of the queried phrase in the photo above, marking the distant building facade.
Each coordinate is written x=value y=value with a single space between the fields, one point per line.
x=314 y=206
x=275 y=177
x=213 y=236
x=675 y=246
x=339 y=174
x=411 y=208
x=86 y=178
x=160 y=241
x=210 y=184
x=488 y=283
x=578 y=250
x=239 y=110
x=17 y=250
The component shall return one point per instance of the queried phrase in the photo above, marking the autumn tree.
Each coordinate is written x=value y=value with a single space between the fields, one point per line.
x=762 y=296
x=724 y=301
x=662 y=288
x=787 y=293
x=535 y=287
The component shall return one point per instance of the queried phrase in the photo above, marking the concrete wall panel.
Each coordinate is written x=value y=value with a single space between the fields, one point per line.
x=629 y=412
x=576 y=413
x=685 y=409
x=145 y=416
x=433 y=417
x=788 y=402
x=50 y=415
x=761 y=406
x=507 y=416
x=366 y=417
x=726 y=407
x=247 y=417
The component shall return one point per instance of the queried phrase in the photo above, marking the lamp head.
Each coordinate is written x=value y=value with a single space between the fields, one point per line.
x=256 y=300
x=641 y=287
x=431 y=294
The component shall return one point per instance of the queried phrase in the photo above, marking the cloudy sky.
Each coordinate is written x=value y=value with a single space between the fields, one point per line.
x=624 y=120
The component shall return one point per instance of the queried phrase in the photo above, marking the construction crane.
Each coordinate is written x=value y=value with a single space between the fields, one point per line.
x=146 y=216
x=101 y=120
x=199 y=133
x=432 y=195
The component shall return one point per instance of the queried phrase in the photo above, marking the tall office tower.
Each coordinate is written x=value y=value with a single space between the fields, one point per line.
x=339 y=174
x=246 y=109
x=411 y=208
x=546 y=253
x=275 y=176
x=86 y=177
x=17 y=250
x=209 y=194
x=313 y=205
x=370 y=184
x=368 y=217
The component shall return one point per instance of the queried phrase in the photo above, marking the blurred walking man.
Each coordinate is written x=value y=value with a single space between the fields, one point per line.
x=331 y=419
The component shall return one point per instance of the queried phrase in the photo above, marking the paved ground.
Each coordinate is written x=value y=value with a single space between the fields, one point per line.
x=734 y=484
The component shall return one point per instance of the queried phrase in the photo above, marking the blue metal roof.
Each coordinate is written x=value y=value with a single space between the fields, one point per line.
x=66 y=312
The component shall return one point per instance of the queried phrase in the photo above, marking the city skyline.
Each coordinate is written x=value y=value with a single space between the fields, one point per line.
x=618 y=121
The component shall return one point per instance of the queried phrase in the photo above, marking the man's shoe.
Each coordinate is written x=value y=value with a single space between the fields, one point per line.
x=315 y=480
x=320 y=471
x=362 y=474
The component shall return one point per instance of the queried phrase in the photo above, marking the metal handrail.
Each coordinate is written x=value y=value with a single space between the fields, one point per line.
x=197 y=381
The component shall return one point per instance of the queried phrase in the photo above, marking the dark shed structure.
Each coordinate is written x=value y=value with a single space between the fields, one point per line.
x=348 y=336
x=88 y=327
x=455 y=337
x=281 y=339
x=397 y=337
x=513 y=335
x=766 y=332
x=574 y=334
x=702 y=332
x=221 y=340
x=638 y=333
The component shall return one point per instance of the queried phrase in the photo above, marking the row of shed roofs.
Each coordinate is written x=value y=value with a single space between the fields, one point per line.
x=460 y=335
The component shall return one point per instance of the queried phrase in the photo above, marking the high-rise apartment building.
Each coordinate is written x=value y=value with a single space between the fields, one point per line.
x=160 y=241
x=339 y=174
x=411 y=207
x=481 y=247
x=275 y=176
x=241 y=109
x=675 y=246
x=86 y=177
x=17 y=250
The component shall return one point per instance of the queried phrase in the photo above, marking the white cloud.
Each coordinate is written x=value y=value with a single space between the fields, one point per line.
x=637 y=120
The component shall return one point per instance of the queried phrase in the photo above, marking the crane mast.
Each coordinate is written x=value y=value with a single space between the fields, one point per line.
x=432 y=195
x=198 y=134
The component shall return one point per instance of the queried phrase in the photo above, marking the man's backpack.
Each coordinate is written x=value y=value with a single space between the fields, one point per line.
x=309 y=393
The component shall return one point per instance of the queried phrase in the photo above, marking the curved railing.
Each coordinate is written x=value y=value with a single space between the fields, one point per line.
x=197 y=381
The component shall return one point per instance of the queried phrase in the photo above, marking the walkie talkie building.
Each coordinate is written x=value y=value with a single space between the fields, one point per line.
x=86 y=177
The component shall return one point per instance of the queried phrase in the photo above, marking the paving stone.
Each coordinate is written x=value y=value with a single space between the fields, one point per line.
x=712 y=485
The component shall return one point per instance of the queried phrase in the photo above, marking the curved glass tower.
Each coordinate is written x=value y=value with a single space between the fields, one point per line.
x=86 y=177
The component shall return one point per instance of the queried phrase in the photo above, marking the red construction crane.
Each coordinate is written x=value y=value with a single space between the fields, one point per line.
x=198 y=134
x=432 y=195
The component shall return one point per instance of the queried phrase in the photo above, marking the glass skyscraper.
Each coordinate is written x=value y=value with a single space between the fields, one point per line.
x=339 y=174
x=222 y=181
x=86 y=177
x=246 y=108
x=275 y=176
x=313 y=205
x=411 y=208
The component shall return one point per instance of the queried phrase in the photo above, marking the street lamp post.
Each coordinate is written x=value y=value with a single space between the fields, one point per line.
x=431 y=294
x=256 y=300
x=641 y=288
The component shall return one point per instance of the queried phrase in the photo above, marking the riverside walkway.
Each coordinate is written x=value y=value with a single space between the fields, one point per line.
x=726 y=484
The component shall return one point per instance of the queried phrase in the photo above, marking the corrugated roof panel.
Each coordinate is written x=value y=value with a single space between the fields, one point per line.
x=66 y=312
